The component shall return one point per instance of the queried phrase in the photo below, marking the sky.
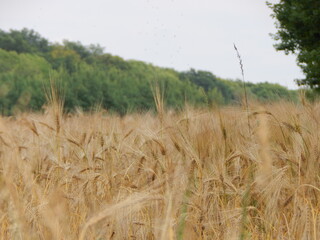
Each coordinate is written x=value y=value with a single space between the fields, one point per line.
x=179 y=34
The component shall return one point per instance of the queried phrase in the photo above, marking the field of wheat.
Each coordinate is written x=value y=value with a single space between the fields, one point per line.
x=196 y=174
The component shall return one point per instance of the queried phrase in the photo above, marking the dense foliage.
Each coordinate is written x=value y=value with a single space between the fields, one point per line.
x=92 y=78
x=298 y=24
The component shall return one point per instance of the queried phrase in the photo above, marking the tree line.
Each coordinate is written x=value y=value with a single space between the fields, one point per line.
x=90 y=77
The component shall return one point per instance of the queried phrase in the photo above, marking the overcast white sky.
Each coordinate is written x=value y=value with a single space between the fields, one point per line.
x=179 y=34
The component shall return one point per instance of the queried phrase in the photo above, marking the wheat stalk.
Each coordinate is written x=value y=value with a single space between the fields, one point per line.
x=244 y=85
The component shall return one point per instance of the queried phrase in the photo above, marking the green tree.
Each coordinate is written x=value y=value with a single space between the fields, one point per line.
x=298 y=24
x=210 y=84
x=22 y=81
x=268 y=92
x=65 y=58
x=24 y=41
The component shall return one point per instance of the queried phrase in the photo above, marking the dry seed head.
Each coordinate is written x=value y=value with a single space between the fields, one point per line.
x=195 y=180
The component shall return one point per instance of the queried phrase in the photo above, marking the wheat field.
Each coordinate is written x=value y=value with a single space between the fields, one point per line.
x=194 y=174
